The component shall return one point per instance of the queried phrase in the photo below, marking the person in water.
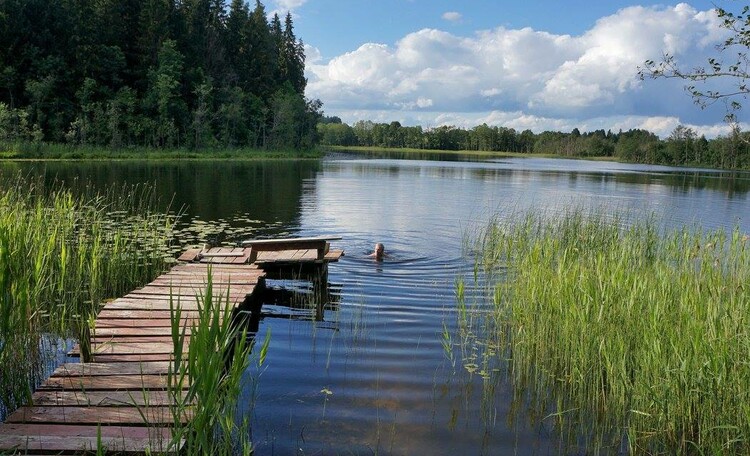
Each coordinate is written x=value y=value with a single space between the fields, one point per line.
x=379 y=252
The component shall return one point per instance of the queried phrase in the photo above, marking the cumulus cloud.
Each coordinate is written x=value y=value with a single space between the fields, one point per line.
x=452 y=16
x=524 y=77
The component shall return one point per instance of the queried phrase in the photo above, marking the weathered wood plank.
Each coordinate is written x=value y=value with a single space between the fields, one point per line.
x=333 y=255
x=106 y=383
x=115 y=314
x=98 y=340
x=151 y=415
x=114 y=324
x=130 y=297
x=138 y=331
x=126 y=348
x=77 y=445
x=217 y=268
x=127 y=432
x=245 y=258
x=200 y=279
x=102 y=398
x=139 y=357
x=284 y=242
x=191 y=282
x=161 y=305
x=64 y=438
x=109 y=369
x=233 y=291
x=269 y=256
x=189 y=255
x=234 y=295
x=221 y=253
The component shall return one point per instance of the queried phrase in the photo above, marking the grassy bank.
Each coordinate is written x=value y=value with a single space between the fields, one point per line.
x=59 y=258
x=52 y=151
x=420 y=153
x=632 y=339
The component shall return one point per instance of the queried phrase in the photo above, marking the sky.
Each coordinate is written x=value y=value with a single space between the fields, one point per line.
x=538 y=65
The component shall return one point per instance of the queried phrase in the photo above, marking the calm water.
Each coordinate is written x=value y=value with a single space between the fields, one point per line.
x=373 y=377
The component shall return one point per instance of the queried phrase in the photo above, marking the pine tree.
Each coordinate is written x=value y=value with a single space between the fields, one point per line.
x=293 y=53
x=263 y=67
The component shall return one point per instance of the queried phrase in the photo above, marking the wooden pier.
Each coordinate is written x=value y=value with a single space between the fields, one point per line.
x=103 y=403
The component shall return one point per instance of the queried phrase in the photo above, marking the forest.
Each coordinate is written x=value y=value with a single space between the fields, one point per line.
x=684 y=147
x=153 y=73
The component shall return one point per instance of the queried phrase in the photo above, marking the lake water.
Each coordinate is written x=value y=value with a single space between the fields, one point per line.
x=373 y=376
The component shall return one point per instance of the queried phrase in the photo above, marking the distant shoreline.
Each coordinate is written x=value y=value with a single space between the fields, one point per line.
x=461 y=153
x=66 y=152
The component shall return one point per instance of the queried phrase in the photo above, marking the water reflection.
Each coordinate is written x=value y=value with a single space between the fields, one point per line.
x=259 y=197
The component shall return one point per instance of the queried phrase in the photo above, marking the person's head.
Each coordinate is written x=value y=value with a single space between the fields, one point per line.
x=379 y=250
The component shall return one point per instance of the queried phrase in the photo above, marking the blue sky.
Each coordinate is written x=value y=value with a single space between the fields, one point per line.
x=538 y=65
x=336 y=27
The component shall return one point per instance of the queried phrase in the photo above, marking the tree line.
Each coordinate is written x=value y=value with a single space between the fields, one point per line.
x=157 y=73
x=683 y=147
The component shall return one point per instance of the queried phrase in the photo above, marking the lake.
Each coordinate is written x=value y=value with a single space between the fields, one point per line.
x=373 y=376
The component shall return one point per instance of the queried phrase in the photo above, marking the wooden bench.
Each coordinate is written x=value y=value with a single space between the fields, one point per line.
x=307 y=249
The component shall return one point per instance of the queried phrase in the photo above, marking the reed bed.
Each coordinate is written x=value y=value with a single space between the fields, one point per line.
x=626 y=338
x=61 y=255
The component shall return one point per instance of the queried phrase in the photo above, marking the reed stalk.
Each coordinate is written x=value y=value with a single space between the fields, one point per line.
x=213 y=365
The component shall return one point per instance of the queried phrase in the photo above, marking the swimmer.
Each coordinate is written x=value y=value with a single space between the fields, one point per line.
x=379 y=252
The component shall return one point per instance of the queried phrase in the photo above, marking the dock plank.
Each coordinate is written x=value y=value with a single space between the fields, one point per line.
x=116 y=332
x=115 y=324
x=107 y=383
x=102 y=398
x=30 y=440
x=109 y=369
x=158 y=415
x=162 y=339
x=135 y=358
x=133 y=348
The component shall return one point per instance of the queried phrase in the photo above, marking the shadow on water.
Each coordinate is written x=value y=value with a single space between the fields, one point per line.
x=299 y=300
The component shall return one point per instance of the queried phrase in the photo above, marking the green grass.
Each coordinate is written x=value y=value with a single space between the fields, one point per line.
x=629 y=337
x=54 y=151
x=60 y=256
x=218 y=354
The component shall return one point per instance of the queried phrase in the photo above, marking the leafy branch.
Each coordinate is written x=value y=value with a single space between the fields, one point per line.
x=735 y=67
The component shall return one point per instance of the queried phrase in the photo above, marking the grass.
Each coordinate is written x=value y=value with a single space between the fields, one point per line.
x=57 y=151
x=218 y=354
x=60 y=256
x=626 y=338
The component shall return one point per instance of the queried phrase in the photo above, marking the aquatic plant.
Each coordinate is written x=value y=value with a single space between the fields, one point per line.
x=212 y=364
x=60 y=256
x=626 y=337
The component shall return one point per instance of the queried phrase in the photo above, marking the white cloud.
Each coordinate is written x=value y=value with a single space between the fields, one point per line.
x=533 y=78
x=312 y=54
x=452 y=16
x=288 y=5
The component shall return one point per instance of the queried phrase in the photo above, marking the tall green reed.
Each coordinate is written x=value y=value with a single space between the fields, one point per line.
x=60 y=255
x=626 y=337
x=212 y=363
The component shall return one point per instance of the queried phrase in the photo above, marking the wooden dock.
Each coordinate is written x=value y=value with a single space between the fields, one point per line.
x=104 y=402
